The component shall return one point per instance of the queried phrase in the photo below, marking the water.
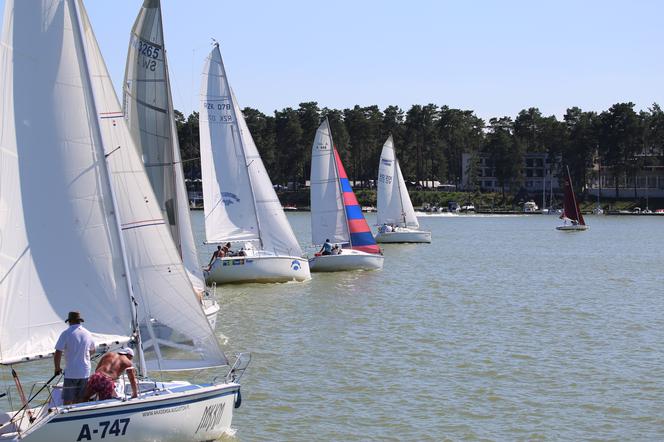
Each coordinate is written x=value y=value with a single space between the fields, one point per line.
x=501 y=329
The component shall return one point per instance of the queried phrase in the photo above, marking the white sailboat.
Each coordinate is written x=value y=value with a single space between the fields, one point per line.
x=241 y=205
x=336 y=214
x=81 y=229
x=396 y=217
x=148 y=107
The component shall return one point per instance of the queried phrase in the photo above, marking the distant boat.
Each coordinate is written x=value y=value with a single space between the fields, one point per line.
x=241 y=204
x=336 y=214
x=148 y=107
x=396 y=217
x=530 y=207
x=571 y=210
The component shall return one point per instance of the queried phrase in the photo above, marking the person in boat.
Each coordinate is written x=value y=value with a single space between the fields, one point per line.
x=227 y=249
x=336 y=250
x=78 y=347
x=327 y=248
x=217 y=254
x=110 y=367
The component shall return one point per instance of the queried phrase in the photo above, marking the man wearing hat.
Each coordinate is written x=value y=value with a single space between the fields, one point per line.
x=110 y=367
x=77 y=345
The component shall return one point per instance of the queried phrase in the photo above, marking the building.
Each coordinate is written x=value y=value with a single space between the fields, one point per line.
x=538 y=173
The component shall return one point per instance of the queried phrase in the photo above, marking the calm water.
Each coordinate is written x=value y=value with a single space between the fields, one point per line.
x=501 y=329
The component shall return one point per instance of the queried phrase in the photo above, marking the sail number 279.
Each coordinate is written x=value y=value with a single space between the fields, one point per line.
x=117 y=427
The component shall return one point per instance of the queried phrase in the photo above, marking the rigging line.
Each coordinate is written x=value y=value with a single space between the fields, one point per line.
x=6 y=275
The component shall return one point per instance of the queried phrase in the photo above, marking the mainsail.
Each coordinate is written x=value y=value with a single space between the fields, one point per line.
x=240 y=202
x=394 y=205
x=335 y=213
x=328 y=216
x=148 y=107
x=69 y=173
x=571 y=209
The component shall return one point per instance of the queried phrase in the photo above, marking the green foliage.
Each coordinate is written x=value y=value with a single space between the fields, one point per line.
x=430 y=141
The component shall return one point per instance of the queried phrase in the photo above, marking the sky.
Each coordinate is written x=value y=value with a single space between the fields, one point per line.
x=493 y=57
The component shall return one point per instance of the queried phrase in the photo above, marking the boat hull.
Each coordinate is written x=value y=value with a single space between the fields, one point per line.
x=572 y=228
x=263 y=269
x=404 y=236
x=198 y=413
x=348 y=260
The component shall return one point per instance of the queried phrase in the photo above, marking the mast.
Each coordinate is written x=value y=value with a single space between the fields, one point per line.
x=398 y=182
x=236 y=125
x=336 y=172
x=251 y=184
x=78 y=35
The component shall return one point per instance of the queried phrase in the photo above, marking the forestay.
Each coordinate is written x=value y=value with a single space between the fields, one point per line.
x=160 y=283
x=328 y=219
x=394 y=205
x=240 y=202
x=148 y=107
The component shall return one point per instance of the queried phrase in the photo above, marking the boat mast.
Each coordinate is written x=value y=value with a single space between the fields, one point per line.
x=244 y=154
x=171 y=121
x=336 y=172
x=107 y=173
x=398 y=181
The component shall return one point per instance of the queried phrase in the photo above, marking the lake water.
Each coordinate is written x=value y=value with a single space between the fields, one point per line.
x=501 y=329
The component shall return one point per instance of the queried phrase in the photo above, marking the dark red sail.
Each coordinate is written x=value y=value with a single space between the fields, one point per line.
x=570 y=206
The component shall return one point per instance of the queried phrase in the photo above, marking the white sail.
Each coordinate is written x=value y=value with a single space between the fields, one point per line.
x=148 y=107
x=328 y=218
x=164 y=293
x=59 y=244
x=394 y=205
x=240 y=202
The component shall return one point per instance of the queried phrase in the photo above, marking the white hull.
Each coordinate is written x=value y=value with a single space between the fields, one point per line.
x=348 y=260
x=403 y=235
x=182 y=412
x=259 y=268
x=572 y=228
x=211 y=308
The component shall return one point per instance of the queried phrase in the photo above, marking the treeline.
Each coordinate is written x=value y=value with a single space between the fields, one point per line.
x=430 y=141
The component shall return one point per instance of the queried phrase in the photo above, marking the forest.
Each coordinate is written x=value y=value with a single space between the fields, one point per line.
x=430 y=140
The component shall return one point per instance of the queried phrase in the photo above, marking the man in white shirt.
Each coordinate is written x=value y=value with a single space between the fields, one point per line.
x=77 y=344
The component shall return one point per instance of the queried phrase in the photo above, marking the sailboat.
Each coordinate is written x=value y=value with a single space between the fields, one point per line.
x=241 y=205
x=148 y=107
x=571 y=210
x=396 y=216
x=335 y=213
x=82 y=230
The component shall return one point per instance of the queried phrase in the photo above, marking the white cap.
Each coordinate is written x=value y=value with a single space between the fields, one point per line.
x=126 y=351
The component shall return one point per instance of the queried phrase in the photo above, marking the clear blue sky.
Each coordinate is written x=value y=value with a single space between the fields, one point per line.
x=493 y=57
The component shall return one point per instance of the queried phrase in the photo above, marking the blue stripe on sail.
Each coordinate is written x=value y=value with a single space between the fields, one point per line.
x=345 y=185
x=354 y=212
x=362 y=239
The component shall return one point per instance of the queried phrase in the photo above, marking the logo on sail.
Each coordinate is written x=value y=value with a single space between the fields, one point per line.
x=386 y=162
x=228 y=198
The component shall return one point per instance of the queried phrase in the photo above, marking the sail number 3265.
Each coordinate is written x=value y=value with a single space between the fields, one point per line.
x=117 y=427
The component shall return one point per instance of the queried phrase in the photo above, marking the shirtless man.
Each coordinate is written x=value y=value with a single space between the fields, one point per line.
x=109 y=369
